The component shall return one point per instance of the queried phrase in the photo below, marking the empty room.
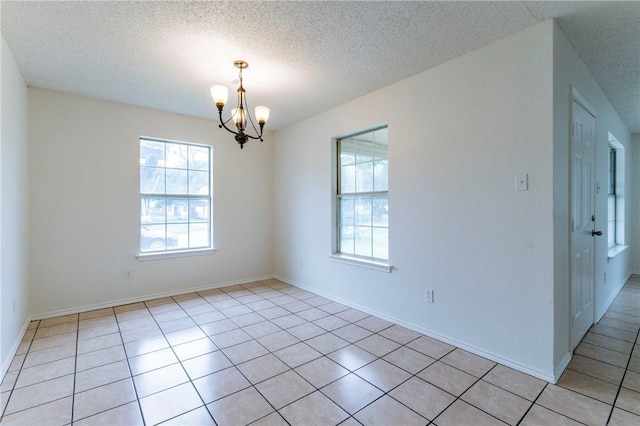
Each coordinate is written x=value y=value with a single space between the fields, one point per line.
x=320 y=213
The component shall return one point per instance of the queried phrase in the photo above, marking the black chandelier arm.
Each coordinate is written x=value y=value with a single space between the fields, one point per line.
x=254 y=126
x=223 y=125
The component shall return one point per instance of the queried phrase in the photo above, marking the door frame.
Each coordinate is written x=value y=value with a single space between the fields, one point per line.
x=577 y=97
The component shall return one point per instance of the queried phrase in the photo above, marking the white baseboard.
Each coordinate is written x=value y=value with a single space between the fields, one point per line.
x=7 y=362
x=462 y=345
x=145 y=298
x=560 y=368
x=612 y=297
x=546 y=376
x=12 y=352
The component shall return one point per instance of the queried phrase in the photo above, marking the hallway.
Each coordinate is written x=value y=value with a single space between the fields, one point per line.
x=605 y=369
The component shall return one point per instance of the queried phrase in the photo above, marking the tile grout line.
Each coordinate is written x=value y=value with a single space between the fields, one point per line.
x=459 y=398
x=221 y=349
x=273 y=353
x=13 y=386
x=252 y=385
x=533 y=403
x=324 y=332
x=75 y=369
x=171 y=346
x=316 y=389
x=302 y=341
x=597 y=345
x=613 y=405
x=267 y=349
x=164 y=335
x=108 y=363
x=38 y=327
x=124 y=349
x=377 y=333
x=619 y=385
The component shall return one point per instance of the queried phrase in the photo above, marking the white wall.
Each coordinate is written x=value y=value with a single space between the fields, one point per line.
x=570 y=72
x=459 y=133
x=84 y=175
x=14 y=207
x=635 y=204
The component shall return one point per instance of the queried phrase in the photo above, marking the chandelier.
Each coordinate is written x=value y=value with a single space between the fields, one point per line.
x=239 y=115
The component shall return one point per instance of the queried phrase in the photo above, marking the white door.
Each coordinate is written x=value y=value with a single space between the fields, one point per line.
x=582 y=221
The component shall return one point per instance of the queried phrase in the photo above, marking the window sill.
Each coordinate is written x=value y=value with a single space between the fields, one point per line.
x=376 y=265
x=143 y=257
x=615 y=250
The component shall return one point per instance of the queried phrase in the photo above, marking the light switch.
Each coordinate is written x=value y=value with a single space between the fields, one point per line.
x=522 y=182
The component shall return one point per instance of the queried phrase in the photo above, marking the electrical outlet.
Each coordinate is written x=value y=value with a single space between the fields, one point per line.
x=428 y=296
x=128 y=274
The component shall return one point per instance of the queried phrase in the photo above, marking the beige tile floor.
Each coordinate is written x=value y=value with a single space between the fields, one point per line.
x=267 y=353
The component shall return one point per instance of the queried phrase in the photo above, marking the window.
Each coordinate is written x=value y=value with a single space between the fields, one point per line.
x=611 y=202
x=363 y=195
x=616 y=198
x=175 y=196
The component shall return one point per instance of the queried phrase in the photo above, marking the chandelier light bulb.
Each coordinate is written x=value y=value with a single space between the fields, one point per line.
x=239 y=116
x=262 y=114
x=219 y=94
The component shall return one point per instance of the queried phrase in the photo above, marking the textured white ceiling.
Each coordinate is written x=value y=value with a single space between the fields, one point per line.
x=305 y=57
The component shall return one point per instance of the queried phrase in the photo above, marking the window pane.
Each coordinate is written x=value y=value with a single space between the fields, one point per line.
x=347 y=151
x=363 y=211
x=381 y=243
x=363 y=241
x=347 y=213
x=381 y=175
x=364 y=177
x=380 y=211
x=178 y=236
x=611 y=236
x=611 y=207
x=612 y=171
x=364 y=150
x=611 y=223
x=152 y=210
x=348 y=179
x=152 y=237
x=176 y=156
x=151 y=153
x=176 y=181
x=199 y=211
x=199 y=158
x=347 y=239
x=199 y=183
x=151 y=180
x=381 y=138
x=177 y=210
x=199 y=235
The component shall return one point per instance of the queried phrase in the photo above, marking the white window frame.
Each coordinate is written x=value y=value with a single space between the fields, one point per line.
x=616 y=212
x=336 y=255
x=611 y=199
x=168 y=252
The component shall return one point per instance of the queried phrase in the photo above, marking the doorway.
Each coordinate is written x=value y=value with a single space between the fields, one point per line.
x=583 y=130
